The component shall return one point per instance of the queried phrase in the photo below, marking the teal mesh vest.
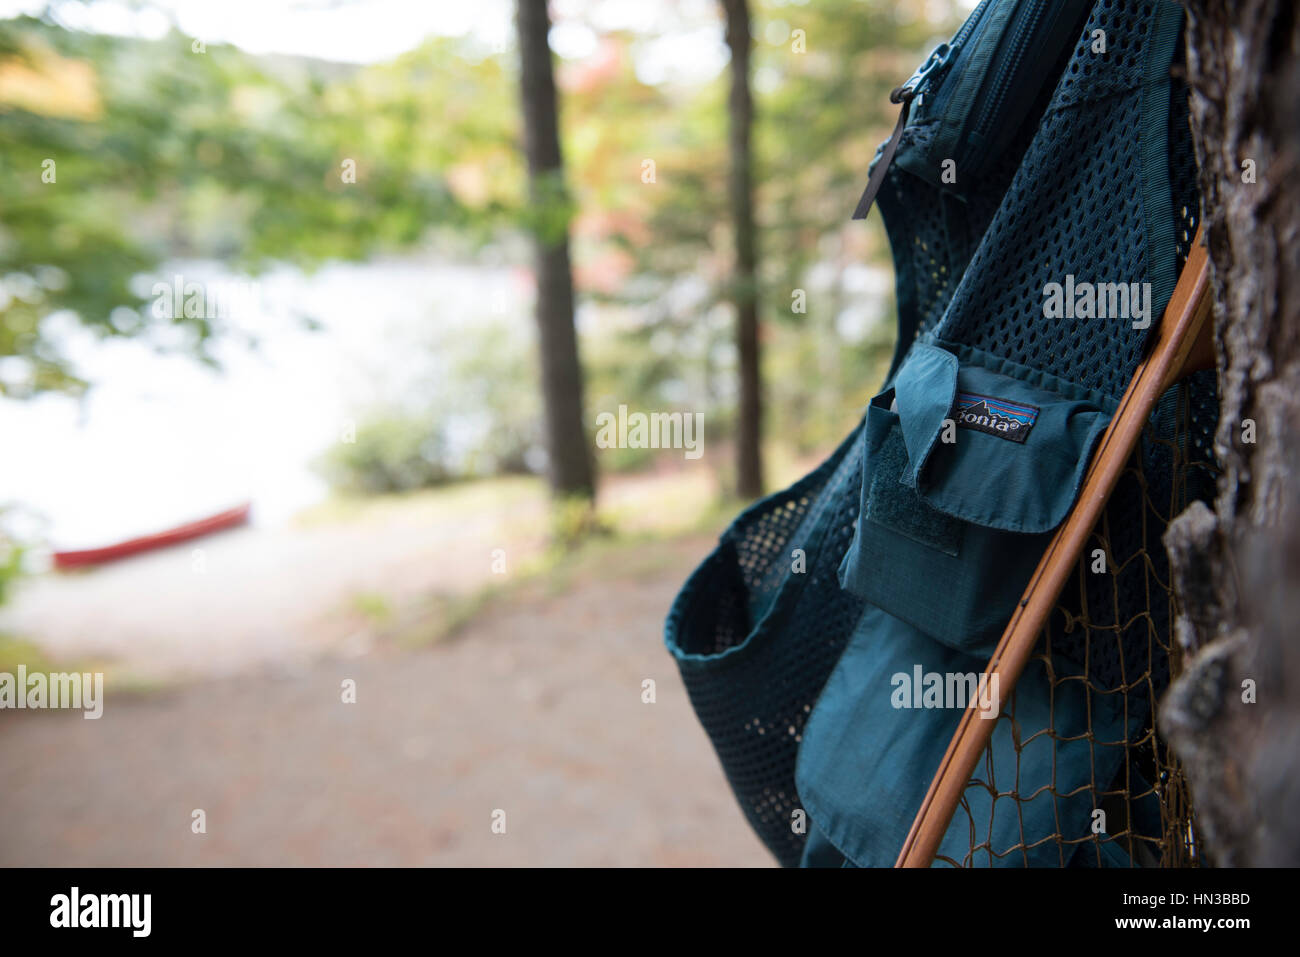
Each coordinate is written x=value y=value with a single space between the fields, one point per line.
x=1040 y=201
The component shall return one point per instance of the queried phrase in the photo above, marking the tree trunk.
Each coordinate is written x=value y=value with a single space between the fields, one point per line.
x=1237 y=568
x=749 y=430
x=570 y=465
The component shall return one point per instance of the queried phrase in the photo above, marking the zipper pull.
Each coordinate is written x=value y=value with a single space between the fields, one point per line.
x=936 y=61
x=900 y=95
x=913 y=90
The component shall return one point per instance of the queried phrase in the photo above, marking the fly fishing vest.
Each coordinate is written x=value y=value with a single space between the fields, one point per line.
x=1040 y=199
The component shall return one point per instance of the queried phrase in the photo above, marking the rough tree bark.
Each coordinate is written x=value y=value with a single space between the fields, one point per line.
x=749 y=432
x=570 y=466
x=1237 y=567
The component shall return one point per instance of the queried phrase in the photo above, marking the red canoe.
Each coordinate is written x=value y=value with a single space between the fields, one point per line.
x=230 y=518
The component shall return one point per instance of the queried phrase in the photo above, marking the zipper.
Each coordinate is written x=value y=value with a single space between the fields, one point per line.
x=997 y=92
x=936 y=66
x=973 y=21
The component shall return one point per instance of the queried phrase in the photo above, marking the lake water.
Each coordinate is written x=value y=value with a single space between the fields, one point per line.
x=162 y=439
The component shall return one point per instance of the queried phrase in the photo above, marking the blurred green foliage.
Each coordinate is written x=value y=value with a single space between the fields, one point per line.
x=391 y=452
x=11 y=561
x=118 y=154
x=479 y=417
x=164 y=151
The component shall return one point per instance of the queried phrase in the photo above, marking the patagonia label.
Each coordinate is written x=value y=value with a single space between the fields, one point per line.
x=1006 y=420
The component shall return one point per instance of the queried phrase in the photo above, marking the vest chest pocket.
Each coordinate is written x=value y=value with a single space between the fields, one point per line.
x=971 y=463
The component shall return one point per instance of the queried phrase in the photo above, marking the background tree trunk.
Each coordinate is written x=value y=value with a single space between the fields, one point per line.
x=1237 y=568
x=749 y=430
x=570 y=467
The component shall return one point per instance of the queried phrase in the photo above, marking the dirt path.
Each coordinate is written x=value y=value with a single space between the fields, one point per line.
x=535 y=709
x=279 y=597
x=270 y=597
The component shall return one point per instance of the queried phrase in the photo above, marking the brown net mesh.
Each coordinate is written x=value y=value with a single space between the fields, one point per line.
x=1111 y=632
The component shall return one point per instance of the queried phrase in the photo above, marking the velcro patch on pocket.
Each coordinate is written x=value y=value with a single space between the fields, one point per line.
x=897 y=507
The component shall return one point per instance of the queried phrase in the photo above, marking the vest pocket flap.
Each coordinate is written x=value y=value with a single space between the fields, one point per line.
x=1011 y=449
